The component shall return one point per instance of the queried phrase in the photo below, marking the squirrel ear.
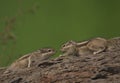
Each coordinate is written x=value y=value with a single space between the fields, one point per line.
x=73 y=42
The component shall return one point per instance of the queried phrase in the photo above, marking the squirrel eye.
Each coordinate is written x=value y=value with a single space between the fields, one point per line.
x=63 y=46
x=49 y=50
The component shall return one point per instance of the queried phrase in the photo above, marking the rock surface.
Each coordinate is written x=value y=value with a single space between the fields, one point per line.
x=100 y=68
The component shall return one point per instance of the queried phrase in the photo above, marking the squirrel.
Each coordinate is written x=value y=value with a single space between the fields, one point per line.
x=93 y=46
x=28 y=59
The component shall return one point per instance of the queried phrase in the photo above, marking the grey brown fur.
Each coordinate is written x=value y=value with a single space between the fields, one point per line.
x=26 y=60
x=93 y=46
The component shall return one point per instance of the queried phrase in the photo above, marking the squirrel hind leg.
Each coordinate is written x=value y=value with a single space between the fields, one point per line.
x=99 y=51
x=29 y=62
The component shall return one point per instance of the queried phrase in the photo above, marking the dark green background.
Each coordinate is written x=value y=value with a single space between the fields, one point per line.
x=57 y=21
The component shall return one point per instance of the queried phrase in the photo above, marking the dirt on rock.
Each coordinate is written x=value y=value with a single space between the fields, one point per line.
x=100 y=68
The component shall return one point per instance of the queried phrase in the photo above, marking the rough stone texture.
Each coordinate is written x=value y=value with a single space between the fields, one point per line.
x=100 y=68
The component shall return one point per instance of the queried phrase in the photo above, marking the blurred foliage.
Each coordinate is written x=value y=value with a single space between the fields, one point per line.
x=27 y=25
